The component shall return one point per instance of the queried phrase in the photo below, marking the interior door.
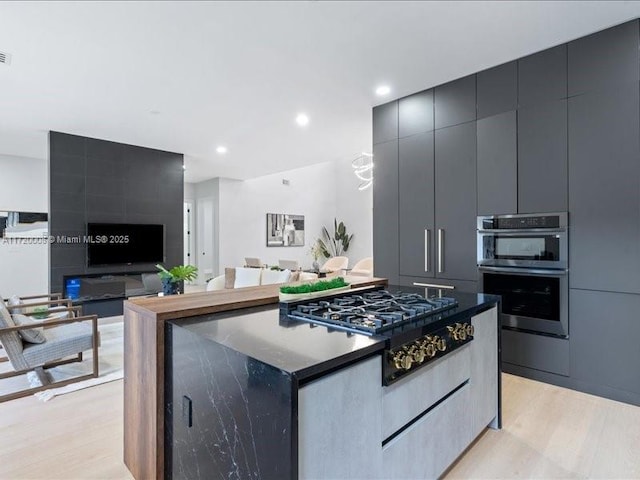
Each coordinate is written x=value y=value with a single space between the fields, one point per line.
x=205 y=246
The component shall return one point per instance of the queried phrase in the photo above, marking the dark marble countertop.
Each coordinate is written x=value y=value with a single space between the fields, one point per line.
x=305 y=351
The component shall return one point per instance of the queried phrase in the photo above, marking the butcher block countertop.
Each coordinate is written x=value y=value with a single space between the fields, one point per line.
x=194 y=304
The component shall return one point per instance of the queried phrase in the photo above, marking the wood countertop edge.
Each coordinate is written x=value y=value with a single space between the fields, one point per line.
x=203 y=303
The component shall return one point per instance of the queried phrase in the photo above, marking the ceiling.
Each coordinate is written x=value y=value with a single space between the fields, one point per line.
x=189 y=76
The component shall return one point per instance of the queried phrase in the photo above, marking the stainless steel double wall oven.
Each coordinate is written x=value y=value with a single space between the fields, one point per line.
x=524 y=258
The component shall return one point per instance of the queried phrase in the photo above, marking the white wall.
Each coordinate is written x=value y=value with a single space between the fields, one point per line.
x=319 y=192
x=24 y=269
x=355 y=208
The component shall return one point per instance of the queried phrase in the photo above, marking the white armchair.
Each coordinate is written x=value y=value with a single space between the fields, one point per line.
x=335 y=264
x=364 y=268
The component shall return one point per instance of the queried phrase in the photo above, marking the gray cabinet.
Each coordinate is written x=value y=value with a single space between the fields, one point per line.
x=455 y=102
x=455 y=201
x=604 y=198
x=542 y=77
x=385 y=122
x=385 y=211
x=415 y=114
x=443 y=285
x=604 y=60
x=605 y=328
x=542 y=158
x=497 y=164
x=540 y=352
x=498 y=90
x=416 y=196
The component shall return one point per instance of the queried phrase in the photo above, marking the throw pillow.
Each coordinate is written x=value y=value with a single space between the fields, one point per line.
x=247 y=277
x=14 y=301
x=229 y=277
x=270 y=277
x=33 y=335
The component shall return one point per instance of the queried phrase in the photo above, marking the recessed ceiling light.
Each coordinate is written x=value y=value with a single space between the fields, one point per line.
x=221 y=150
x=154 y=112
x=302 y=120
x=383 y=90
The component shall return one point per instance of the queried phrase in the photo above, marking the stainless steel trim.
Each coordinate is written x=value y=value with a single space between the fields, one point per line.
x=515 y=231
x=440 y=248
x=433 y=285
x=563 y=217
x=427 y=234
x=526 y=271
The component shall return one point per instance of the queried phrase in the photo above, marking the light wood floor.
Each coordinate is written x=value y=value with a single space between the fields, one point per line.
x=549 y=432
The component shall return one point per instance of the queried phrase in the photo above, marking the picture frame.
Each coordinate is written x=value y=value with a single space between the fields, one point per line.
x=285 y=230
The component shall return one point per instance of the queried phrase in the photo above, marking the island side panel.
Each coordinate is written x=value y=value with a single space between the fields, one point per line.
x=143 y=394
x=485 y=386
x=228 y=414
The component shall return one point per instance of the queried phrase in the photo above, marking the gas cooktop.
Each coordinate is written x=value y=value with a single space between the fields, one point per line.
x=369 y=313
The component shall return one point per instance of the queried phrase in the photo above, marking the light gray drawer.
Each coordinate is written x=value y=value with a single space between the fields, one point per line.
x=409 y=397
x=429 y=446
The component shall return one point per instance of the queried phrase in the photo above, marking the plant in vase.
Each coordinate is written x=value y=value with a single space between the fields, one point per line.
x=334 y=245
x=316 y=253
x=173 y=280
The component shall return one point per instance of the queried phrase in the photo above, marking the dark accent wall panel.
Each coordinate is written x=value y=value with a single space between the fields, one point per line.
x=95 y=180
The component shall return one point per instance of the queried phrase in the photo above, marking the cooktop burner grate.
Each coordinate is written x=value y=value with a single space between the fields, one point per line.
x=370 y=312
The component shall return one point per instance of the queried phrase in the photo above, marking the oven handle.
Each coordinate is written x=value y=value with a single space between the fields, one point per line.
x=528 y=231
x=526 y=271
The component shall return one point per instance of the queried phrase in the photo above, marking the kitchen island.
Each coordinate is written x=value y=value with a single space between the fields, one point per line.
x=145 y=360
x=255 y=394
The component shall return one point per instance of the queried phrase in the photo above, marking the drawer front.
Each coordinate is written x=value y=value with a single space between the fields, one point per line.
x=412 y=395
x=429 y=446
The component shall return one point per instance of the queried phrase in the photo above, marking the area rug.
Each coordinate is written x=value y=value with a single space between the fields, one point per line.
x=110 y=364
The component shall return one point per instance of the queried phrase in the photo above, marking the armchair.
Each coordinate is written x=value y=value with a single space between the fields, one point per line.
x=335 y=264
x=64 y=341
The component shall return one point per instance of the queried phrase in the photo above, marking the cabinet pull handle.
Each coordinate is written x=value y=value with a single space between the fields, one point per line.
x=427 y=234
x=433 y=285
x=440 y=249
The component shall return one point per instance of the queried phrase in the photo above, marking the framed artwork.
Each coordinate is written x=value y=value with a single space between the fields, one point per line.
x=285 y=230
x=23 y=225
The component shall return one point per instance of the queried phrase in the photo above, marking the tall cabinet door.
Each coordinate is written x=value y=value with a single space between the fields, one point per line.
x=604 y=198
x=385 y=210
x=455 y=188
x=416 y=197
x=497 y=164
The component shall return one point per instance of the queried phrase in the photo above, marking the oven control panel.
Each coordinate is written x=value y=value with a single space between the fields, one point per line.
x=406 y=358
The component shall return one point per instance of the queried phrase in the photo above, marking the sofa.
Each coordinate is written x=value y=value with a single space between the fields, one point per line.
x=240 y=277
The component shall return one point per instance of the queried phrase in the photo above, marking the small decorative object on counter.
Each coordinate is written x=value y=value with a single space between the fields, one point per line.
x=316 y=252
x=312 y=290
x=173 y=280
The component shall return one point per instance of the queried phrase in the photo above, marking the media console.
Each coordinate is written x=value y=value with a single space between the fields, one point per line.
x=103 y=293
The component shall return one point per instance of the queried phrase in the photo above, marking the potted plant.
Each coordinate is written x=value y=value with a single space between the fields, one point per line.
x=173 y=280
x=337 y=243
x=316 y=253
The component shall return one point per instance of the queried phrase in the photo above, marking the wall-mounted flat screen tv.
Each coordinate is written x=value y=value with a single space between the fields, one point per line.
x=124 y=243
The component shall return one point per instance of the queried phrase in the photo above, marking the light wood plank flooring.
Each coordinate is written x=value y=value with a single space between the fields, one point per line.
x=549 y=432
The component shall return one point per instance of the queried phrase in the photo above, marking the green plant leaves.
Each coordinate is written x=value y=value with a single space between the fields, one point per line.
x=316 y=287
x=178 y=273
x=337 y=243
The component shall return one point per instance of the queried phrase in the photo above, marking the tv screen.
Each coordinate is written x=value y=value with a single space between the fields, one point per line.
x=123 y=243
